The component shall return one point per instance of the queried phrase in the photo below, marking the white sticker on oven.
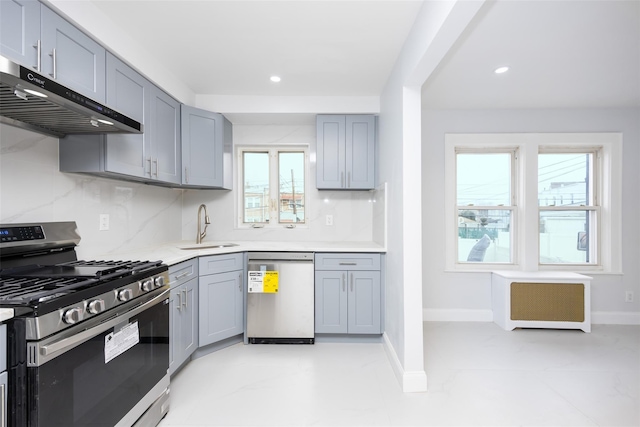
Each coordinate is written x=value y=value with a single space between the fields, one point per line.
x=117 y=343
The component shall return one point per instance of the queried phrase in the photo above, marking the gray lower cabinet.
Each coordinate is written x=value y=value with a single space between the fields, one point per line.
x=183 y=314
x=345 y=152
x=153 y=157
x=221 y=294
x=40 y=39
x=348 y=294
x=207 y=156
x=3 y=375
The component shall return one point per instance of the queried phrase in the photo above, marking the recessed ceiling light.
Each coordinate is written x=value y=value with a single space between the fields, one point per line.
x=275 y=79
x=501 y=70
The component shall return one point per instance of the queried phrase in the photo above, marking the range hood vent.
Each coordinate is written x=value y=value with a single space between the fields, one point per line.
x=60 y=112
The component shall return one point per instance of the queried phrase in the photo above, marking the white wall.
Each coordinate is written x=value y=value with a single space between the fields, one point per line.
x=435 y=30
x=352 y=210
x=467 y=296
x=33 y=190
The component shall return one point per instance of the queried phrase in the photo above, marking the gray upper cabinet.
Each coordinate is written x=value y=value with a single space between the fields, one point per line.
x=40 y=39
x=206 y=149
x=165 y=156
x=345 y=152
x=20 y=31
x=129 y=93
x=153 y=156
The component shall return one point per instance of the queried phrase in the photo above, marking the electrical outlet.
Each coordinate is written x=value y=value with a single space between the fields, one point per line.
x=104 y=222
x=628 y=296
x=329 y=219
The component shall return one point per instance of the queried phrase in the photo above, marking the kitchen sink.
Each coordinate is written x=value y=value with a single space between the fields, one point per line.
x=208 y=245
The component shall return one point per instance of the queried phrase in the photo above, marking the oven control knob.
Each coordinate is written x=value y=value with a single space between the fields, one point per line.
x=73 y=315
x=159 y=281
x=147 y=285
x=125 y=294
x=96 y=306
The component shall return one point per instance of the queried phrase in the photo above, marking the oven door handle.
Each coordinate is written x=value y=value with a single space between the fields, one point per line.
x=47 y=352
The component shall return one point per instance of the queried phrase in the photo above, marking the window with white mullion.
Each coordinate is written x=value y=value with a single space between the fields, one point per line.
x=568 y=206
x=484 y=205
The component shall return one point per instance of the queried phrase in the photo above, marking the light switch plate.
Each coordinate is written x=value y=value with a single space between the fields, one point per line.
x=104 y=222
x=329 y=219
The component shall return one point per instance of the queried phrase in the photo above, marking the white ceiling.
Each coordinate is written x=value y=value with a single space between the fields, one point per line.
x=562 y=54
x=573 y=53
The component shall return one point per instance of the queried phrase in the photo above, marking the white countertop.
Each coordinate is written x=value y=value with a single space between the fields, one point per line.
x=170 y=253
x=6 y=314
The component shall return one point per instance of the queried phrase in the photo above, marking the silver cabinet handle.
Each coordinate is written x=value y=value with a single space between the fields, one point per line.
x=342 y=179
x=185 y=302
x=149 y=161
x=181 y=275
x=348 y=179
x=179 y=307
x=156 y=163
x=351 y=275
x=186 y=175
x=55 y=65
x=343 y=280
x=240 y=282
x=38 y=47
x=348 y=263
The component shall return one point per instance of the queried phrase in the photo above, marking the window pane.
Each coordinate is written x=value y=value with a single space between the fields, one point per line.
x=564 y=179
x=483 y=179
x=256 y=187
x=564 y=237
x=484 y=235
x=291 y=185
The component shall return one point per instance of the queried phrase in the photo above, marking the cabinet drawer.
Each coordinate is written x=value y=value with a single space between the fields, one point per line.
x=342 y=261
x=183 y=272
x=221 y=263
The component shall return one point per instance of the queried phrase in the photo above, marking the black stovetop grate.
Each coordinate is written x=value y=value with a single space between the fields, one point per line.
x=28 y=285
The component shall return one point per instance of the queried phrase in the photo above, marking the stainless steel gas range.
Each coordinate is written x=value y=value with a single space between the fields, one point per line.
x=89 y=343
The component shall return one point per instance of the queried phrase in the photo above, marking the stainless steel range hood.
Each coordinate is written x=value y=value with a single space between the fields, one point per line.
x=34 y=102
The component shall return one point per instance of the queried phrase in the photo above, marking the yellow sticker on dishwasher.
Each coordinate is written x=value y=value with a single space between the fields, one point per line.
x=263 y=282
x=270 y=282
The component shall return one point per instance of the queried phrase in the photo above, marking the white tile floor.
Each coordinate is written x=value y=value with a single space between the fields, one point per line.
x=478 y=375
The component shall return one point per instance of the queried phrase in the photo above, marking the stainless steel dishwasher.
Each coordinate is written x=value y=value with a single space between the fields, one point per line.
x=285 y=316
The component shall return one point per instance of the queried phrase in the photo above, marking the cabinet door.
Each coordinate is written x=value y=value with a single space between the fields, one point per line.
x=128 y=93
x=189 y=318
x=221 y=306
x=4 y=383
x=360 y=152
x=71 y=57
x=175 y=320
x=202 y=147
x=331 y=302
x=20 y=31
x=165 y=159
x=330 y=152
x=364 y=302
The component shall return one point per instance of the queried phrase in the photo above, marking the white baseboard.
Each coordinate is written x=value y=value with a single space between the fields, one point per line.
x=411 y=382
x=456 y=315
x=465 y=315
x=615 y=318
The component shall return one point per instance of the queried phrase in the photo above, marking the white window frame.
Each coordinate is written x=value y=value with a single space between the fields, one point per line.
x=525 y=234
x=274 y=207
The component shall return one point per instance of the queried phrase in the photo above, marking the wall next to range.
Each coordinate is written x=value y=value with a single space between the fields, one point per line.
x=33 y=190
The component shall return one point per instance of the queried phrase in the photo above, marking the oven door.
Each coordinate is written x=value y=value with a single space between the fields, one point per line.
x=93 y=377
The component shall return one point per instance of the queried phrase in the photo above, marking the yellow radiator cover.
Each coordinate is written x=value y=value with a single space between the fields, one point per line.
x=560 y=302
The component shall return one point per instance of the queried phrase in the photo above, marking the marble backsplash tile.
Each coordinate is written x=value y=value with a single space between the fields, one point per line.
x=33 y=190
